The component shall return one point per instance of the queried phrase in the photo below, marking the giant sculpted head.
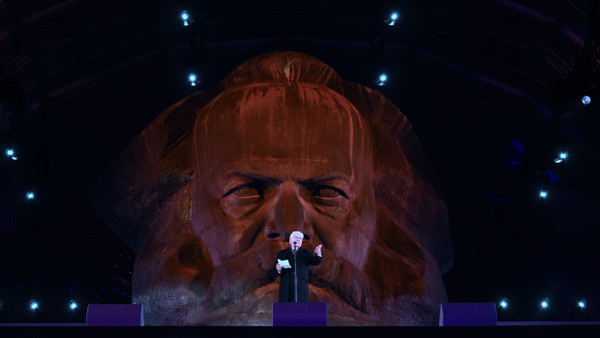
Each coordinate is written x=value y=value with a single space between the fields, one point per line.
x=211 y=190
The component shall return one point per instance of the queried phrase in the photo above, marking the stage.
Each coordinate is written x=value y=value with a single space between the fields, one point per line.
x=503 y=329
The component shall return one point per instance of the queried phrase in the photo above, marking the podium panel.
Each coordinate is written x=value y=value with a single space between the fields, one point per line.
x=115 y=315
x=300 y=314
x=468 y=314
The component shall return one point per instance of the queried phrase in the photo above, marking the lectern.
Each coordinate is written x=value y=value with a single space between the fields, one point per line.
x=115 y=315
x=300 y=314
x=468 y=314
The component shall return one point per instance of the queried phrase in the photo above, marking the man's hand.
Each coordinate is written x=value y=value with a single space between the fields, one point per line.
x=318 y=250
x=278 y=267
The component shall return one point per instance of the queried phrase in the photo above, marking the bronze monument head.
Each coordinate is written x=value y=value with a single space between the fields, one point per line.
x=210 y=192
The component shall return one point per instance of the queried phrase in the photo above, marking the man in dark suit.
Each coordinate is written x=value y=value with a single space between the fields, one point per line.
x=294 y=274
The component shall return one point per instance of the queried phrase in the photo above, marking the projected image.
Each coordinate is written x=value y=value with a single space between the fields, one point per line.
x=210 y=192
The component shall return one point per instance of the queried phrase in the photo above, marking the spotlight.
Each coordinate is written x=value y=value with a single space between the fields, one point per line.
x=544 y=303
x=72 y=305
x=561 y=157
x=382 y=79
x=586 y=100
x=543 y=194
x=33 y=305
x=391 y=20
x=193 y=79
x=185 y=18
x=11 y=153
x=30 y=195
x=582 y=303
x=503 y=303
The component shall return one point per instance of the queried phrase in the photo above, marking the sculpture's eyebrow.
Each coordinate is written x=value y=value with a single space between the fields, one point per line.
x=253 y=176
x=323 y=178
x=272 y=180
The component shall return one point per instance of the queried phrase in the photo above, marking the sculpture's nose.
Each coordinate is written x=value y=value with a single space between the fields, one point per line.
x=289 y=213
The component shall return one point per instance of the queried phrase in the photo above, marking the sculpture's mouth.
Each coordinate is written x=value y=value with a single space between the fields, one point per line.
x=238 y=292
x=243 y=279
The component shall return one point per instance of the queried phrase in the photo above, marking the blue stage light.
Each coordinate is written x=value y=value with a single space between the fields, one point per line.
x=193 y=79
x=561 y=157
x=11 y=153
x=30 y=195
x=391 y=20
x=185 y=18
x=543 y=194
x=586 y=100
x=582 y=303
x=33 y=305
x=72 y=305
x=382 y=79
x=503 y=303
x=544 y=304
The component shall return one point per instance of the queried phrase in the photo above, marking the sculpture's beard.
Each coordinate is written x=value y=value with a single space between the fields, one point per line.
x=243 y=278
x=178 y=284
x=187 y=290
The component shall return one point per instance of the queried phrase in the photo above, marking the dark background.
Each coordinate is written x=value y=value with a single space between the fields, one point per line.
x=492 y=88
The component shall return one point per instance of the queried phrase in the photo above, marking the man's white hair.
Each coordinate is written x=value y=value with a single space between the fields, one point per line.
x=297 y=232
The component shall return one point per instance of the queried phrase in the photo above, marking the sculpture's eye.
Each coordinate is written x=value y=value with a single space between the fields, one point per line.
x=327 y=195
x=248 y=192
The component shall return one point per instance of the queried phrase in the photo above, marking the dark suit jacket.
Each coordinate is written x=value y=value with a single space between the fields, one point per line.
x=286 y=284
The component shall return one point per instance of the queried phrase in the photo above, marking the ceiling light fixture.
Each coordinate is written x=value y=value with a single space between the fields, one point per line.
x=586 y=100
x=391 y=20
x=185 y=17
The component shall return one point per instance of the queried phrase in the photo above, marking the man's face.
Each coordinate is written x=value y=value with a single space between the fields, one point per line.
x=275 y=160
x=295 y=240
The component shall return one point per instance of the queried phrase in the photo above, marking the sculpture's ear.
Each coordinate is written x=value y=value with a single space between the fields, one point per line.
x=133 y=189
x=404 y=181
x=396 y=262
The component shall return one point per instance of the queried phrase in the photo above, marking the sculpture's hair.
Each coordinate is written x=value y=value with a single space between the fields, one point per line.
x=284 y=67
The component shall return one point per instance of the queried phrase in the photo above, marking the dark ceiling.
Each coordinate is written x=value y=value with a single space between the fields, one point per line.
x=492 y=88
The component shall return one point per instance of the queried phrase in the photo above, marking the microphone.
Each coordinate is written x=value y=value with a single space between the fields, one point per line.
x=295 y=275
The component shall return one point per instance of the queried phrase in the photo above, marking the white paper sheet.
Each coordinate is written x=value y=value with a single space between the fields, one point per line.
x=285 y=263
